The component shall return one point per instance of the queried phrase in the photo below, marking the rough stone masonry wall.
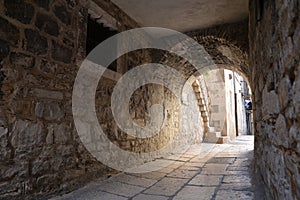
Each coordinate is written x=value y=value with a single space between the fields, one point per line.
x=41 y=45
x=39 y=149
x=274 y=59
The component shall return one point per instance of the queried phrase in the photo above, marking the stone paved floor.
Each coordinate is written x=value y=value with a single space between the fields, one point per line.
x=206 y=171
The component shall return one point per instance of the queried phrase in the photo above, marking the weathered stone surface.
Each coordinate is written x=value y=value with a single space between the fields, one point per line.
x=237 y=179
x=26 y=134
x=63 y=14
x=133 y=180
x=205 y=180
x=275 y=56
x=294 y=137
x=58 y=134
x=5 y=151
x=4 y=49
x=220 y=160
x=231 y=194
x=284 y=90
x=296 y=99
x=178 y=173
x=214 y=169
x=192 y=192
x=36 y=43
x=149 y=197
x=281 y=131
x=48 y=67
x=22 y=59
x=47 y=94
x=19 y=10
x=9 y=32
x=120 y=189
x=49 y=111
x=42 y=4
x=40 y=167
x=270 y=103
x=166 y=186
x=152 y=175
x=61 y=53
x=270 y=50
x=47 y=24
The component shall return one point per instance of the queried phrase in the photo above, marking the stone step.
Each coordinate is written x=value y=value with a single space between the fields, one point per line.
x=206 y=126
x=196 y=83
x=203 y=108
x=205 y=119
x=199 y=95
x=204 y=113
x=196 y=89
x=201 y=102
x=212 y=137
x=223 y=139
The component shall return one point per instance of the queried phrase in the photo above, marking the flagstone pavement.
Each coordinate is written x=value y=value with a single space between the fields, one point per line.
x=206 y=171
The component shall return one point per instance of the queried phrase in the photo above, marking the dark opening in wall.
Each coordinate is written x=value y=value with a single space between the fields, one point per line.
x=259 y=9
x=97 y=33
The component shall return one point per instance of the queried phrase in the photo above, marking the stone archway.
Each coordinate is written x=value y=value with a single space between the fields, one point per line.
x=225 y=55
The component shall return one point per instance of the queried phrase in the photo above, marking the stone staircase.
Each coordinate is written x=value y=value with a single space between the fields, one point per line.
x=214 y=136
x=210 y=133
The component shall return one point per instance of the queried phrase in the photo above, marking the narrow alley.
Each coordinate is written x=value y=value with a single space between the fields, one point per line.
x=201 y=97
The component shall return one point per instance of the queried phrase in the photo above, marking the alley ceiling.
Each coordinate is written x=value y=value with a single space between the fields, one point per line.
x=184 y=15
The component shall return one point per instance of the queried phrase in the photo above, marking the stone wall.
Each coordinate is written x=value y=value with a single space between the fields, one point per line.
x=216 y=87
x=274 y=59
x=192 y=126
x=42 y=44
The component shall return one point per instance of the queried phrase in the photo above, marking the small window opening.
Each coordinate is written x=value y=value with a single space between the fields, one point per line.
x=97 y=33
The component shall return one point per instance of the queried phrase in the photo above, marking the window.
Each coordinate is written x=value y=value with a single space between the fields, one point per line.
x=97 y=33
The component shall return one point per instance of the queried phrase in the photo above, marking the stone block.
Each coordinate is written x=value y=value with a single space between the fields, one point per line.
x=270 y=103
x=221 y=160
x=47 y=94
x=49 y=111
x=133 y=180
x=149 y=197
x=193 y=192
x=62 y=13
x=59 y=133
x=25 y=133
x=19 y=10
x=205 y=180
x=120 y=188
x=281 y=131
x=43 y=4
x=214 y=169
x=36 y=43
x=166 y=186
x=237 y=179
x=61 y=53
x=284 y=90
x=4 y=49
x=231 y=194
x=179 y=173
x=40 y=167
x=47 y=24
x=22 y=60
x=9 y=32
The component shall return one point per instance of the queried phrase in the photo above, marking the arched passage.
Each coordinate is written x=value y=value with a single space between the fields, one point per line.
x=225 y=55
x=42 y=44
